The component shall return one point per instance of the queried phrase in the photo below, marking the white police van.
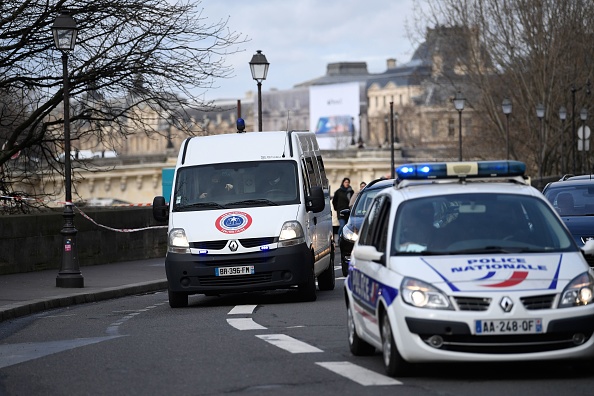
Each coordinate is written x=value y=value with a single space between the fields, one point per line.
x=465 y=262
x=248 y=211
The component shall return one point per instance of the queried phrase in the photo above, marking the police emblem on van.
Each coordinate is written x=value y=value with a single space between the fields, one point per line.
x=233 y=222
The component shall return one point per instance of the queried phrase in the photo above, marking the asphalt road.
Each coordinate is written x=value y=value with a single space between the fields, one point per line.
x=243 y=344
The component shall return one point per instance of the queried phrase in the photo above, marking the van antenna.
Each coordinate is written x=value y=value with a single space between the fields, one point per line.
x=288 y=135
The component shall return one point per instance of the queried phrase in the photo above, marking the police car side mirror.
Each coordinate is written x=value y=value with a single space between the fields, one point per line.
x=368 y=253
x=345 y=214
x=160 y=209
x=315 y=201
x=588 y=248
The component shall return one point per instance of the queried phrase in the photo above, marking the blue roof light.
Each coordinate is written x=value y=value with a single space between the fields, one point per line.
x=442 y=170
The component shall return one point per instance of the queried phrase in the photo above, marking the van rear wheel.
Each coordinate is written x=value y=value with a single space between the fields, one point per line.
x=326 y=280
x=177 y=300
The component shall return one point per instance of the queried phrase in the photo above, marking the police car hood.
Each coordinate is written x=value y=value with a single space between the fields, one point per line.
x=212 y=225
x=551 y=271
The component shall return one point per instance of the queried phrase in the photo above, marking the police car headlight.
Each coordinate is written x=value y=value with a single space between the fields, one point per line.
x=178 y=242
x=580 y=291
x=291 y=234
x=349 y=234
x=422 y=295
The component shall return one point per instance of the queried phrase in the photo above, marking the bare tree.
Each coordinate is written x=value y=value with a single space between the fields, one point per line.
x=129 y=54
x=539 y=52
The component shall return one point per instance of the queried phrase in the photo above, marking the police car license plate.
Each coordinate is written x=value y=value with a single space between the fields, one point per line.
x=226 y=271
x=508 y=326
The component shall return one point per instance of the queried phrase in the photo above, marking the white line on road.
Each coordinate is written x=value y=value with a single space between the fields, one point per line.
x=245 y=324
x=242 y=310
x=289 y=344
x=359 y=374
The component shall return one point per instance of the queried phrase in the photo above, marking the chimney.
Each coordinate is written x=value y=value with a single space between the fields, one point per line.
x=391 y=63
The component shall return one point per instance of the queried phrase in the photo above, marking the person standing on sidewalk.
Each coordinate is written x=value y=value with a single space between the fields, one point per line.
x=341 y=200
x=354 y=197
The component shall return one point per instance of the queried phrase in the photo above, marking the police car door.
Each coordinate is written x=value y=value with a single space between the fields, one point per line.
x=368 y=277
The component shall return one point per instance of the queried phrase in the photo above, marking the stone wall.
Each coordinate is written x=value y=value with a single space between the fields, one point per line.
x=33 y=242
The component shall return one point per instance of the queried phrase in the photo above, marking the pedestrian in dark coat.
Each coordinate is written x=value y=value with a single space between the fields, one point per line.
x=341 y=200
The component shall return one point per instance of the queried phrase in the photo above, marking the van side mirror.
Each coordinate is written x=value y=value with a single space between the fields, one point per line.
x=160 y=209
x=315 y=202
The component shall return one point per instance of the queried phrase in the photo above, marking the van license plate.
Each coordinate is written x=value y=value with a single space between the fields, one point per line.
x=508 y=326
x=226 y=271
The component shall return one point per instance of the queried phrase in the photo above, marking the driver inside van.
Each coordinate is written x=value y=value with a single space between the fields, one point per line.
x=219 y=185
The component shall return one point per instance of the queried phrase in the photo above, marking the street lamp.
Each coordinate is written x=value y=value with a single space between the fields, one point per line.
x=540 y=112
x=386 y=119
x=352 y=127
x=392 y=119
x=64 y=30
x=563 y=117
x=459 y=102
x=583 y=135
x=259 y=66
x=506 y=105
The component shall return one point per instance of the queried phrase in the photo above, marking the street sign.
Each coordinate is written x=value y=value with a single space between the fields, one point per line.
x=580 y=145
x=584 y=131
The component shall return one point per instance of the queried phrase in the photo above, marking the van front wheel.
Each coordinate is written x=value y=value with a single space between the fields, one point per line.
x=307 y=290
x=177 y=300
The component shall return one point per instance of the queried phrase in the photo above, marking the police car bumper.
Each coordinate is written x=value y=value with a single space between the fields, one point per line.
x=210 y=274
x=565 y=334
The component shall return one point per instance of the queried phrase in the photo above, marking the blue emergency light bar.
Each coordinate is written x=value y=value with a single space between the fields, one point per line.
x=450 y=170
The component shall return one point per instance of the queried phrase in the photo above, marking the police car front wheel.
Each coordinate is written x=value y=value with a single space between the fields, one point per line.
x=394 y=364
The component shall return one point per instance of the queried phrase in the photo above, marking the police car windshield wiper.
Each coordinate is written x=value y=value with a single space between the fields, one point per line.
x=257 y=202
x=198 y=205
x=491 y=249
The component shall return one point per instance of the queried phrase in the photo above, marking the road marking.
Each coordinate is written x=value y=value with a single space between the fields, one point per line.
x=245 y=324
x=289 y=344
x=359 y=374
x=12 y=354
x=242 y=310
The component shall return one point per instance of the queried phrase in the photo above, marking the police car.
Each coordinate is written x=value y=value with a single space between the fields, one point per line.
x=465 y=262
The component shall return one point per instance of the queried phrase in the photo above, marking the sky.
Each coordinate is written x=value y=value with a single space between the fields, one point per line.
x=300 y=37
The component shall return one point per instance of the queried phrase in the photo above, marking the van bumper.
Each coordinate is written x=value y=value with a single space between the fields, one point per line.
x=273 y=269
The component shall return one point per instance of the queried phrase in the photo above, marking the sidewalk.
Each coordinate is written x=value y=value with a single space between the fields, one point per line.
x=30 y=292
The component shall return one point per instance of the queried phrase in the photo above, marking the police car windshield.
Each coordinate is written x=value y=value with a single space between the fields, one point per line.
x=236 y=184
x=478 y=223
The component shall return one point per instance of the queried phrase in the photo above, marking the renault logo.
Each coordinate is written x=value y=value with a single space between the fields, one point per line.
x=233 y=245
x=506 y=304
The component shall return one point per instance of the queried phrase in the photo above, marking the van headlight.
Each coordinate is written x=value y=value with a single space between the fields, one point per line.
x=422 y=295
x=178 y=242
x=291 y=234
x=580 y=291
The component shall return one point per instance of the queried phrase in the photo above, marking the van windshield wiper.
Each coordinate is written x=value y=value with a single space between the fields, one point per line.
x=261 y=201
x=198 y=205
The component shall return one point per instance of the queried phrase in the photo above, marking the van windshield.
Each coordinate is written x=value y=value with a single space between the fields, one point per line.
x=236 y=185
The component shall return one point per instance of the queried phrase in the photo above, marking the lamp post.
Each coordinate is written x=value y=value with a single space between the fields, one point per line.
x=563 y=117
x=360 y=143
x=259 y=67
x=506 y=106
x=584 y=136
x=459 y=102
x=392 y=171
x=574 y=89
x=64 y=30
x=352 y=127
x=386 y=129
x=540 y=112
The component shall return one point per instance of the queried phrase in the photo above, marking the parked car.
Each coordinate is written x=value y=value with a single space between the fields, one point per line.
x=466 y=262
x=355 y=215
x=573 y=198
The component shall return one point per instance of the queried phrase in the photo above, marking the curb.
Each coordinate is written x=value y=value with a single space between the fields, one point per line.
x=16 y=310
